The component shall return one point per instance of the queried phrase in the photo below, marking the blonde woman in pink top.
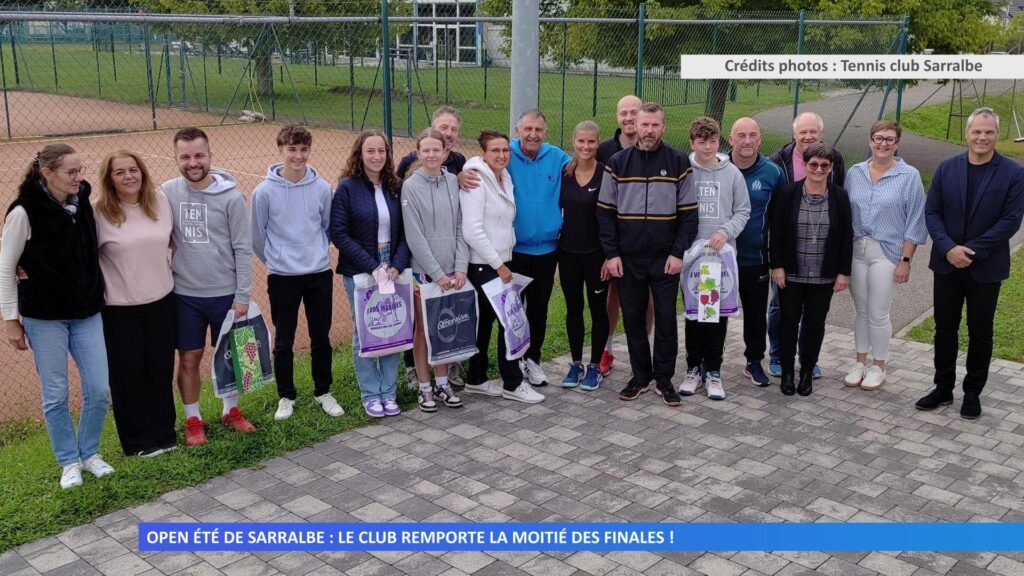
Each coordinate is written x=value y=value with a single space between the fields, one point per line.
x=133 y=228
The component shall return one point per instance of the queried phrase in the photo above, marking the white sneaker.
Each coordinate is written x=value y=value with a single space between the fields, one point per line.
x=71 y=476
x=523 y=393
x=713 y=382
x=874 y=379
x=491 y=388
x=690 y=382
x=329 y=405
x=285 y=407
x=855 y=375
x=96 y=466
x=533 y=372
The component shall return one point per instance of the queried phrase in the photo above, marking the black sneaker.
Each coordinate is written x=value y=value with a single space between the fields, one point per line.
x=668 y=394
x=971 y=408
x=936 y=398
x=633 y=390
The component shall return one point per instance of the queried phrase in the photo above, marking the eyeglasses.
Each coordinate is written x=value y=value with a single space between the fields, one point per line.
x=883 y=140
x=74 y=172
x=819 y=166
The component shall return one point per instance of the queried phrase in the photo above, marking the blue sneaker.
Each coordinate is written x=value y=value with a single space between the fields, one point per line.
x=574 y=377
x=592 y=381
x=756 y=374
x=816 y=373
x=775 y=368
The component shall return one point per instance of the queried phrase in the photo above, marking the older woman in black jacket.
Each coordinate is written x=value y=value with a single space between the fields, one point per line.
x=810 y=253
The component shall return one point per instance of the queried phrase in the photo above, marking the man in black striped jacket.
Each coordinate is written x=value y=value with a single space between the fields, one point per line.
x=647 y=217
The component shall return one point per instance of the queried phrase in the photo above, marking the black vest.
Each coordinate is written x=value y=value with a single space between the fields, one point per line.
x=61 y=258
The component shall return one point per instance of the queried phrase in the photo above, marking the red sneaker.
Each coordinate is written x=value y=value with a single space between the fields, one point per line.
x=195 y=435
x=607 y=360
x=235 y=420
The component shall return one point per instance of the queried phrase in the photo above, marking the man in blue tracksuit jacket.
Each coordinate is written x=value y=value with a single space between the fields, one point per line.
x=763 y=178
x=536 y=170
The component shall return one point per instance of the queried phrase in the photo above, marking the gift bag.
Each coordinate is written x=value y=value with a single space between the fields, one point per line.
x=242 y=359
x=384 y=321
x=709 y=295
x=449 y=322
x=507 y=302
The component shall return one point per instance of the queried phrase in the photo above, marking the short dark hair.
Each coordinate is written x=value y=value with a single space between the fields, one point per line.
x=294 y=135
x=704 y=128
x=652 y=107
x=488 y=135
x=820 y=150
x=886 y=125
x=189 y=134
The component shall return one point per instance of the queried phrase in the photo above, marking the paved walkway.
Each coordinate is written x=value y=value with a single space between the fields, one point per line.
x=840 y=455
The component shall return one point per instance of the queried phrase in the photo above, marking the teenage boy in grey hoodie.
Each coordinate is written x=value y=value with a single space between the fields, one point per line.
x=211 y=263
x=723 y=210
x=291 y=215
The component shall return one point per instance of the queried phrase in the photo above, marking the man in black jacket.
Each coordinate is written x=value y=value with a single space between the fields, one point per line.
x=647 y=218
x=808 y=130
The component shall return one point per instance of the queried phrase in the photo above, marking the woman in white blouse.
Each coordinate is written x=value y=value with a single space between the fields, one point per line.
x=887 y=198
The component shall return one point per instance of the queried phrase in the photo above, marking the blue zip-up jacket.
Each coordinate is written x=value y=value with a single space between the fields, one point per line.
x=537 y=187
x=763 y=178
x=354 y=228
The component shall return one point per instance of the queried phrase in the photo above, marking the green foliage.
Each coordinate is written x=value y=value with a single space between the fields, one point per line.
x=931 y=120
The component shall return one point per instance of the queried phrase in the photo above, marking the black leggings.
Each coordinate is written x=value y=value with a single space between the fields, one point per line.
x=575 y=271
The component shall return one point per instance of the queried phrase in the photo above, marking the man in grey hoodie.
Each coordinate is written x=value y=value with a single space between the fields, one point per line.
x=723 y=210
x=212 y=267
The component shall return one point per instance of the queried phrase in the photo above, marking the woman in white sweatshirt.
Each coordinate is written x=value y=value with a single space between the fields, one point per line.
x=488 y=212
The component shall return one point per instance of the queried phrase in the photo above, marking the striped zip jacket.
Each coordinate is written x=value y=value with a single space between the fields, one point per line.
x=647 y=205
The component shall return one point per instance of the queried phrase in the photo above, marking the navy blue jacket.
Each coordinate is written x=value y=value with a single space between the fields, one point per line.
x=354 y=228
x=995 y=217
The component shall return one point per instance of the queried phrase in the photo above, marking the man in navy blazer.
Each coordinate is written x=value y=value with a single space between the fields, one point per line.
x=974 y=207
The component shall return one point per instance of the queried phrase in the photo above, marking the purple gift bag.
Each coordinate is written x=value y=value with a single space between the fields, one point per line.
x=384 y=322
x=507 y=301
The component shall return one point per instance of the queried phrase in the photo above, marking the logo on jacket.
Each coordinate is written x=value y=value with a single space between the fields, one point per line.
x=664 y=172
x=755 y=186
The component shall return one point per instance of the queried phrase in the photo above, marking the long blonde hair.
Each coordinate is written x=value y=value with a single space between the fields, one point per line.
x=107 y=202
x=584 y=126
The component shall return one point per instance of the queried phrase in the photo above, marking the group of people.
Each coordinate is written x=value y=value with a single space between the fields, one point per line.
x=122 y=279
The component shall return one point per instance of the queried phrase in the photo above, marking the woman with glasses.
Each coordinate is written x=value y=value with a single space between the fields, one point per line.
x=50 y=232
x=810 y=254
x=887 y=198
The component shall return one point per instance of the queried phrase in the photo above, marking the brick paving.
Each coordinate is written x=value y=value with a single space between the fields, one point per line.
x=840 y=455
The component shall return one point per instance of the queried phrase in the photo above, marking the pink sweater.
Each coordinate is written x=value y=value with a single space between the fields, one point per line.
x=134 y=256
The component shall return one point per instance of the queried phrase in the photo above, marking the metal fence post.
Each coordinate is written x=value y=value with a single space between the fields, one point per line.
x=14 y=53
x=167 y=67
x=799 y=50
x=641 y=32
x=113 y=56
x=96 y=53
x=386 y=62
x=561 y=113
x=206 y=83
x=3 y=78
x=53 y=53
x=149 y=74
x=351 y=80
x=181 y=67
x=594 y=111
x=904 y=33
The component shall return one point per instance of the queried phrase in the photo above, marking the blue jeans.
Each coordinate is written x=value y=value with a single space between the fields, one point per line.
x=774 y=321
x=51 y=340
x=377 y=377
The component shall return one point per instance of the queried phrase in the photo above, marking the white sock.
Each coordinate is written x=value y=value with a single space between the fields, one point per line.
x=192 y=410
x=424 y=385
x=229 y=403
x=442 y=381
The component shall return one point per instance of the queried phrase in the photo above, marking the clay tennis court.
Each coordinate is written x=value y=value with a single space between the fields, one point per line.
x=96 y=128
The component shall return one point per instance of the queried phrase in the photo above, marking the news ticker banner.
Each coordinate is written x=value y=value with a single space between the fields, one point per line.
x=852 y=67
x=569 y=537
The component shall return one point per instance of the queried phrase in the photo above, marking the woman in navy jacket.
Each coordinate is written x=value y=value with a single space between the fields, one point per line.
x=366 y=226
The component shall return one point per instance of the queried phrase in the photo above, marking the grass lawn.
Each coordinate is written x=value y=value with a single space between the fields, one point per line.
x=1009 y=331
x=338 y=96
x=33 y=506
x=931 y=121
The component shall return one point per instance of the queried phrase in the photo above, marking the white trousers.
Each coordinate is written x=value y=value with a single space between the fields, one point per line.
x=871 y=285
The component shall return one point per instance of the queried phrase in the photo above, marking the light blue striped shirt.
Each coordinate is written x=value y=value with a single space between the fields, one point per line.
x=891 y=210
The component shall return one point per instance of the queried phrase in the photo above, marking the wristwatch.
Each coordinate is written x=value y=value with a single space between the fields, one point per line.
x=906 y=259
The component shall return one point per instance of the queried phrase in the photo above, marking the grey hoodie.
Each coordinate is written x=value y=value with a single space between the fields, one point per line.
x=722 y=199
x=211 y=244
x=433 y=224
x=290 y=222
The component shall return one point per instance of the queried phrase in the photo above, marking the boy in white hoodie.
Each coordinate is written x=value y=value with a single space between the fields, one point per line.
x=723 y=210
x=291 y=215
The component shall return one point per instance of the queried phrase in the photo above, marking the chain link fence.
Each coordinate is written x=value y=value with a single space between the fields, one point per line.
x=127 y=78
